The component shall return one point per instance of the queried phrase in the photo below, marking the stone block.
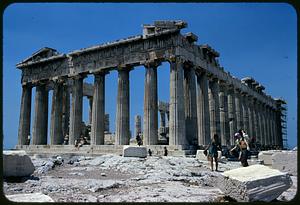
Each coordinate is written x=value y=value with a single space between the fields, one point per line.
x=135 y=151
x=254 y=183
x=34 y=197
x=17 y=164
x=266 y=157
x=285 y=161
x=200 y=155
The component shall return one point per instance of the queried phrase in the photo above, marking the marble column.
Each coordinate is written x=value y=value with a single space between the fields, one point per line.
x=150 y=133
x=214 y=107
x=232 y=115
x=239 y=110
x=190 y=104
x=162 y=119
x=203 y=109
x=245 y=113
x=271 y=126
x=66 y=109
x=259 y=122
x=98 y=110
x=56 y=129
x=263 y=111
x=223 y=109
x=176 y=105
x=137 y=125
x=268 y=125
x=90 y=109
x=274 y=127
x=251 y=132
x=25 y=113
x=40 y=125
x=122 y=115
x=76 y=110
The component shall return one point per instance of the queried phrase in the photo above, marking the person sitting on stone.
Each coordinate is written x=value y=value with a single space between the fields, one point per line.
x=213 y=148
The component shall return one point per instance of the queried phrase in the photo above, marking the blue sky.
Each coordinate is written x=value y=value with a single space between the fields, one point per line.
x=257 y=39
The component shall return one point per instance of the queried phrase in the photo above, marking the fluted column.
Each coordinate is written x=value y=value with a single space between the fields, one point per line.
x=162 y=115
x=137 y=125
x=76 y=110
x=25 y=113
x=122 y=116
x=259 y=122
x=232 y=114
x=274 y=127
x=203 y=109
x=245 y=113
x=98 y=110
x=264 y=135
x=271 y=126
x=66 y=109
x=40 y=125
x=150 y=105
x=251 y=131
x=239 y=110
x=176 y=105
x=214 y=107
x=190 y=105
x=90 y=109
x=56 y=129
x=268 y=125
x=223 y=109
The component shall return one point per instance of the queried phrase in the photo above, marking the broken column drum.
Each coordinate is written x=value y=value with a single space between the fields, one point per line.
x=198 y=106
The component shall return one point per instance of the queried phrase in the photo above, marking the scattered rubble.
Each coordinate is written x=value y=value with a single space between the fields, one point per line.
x=113 y=178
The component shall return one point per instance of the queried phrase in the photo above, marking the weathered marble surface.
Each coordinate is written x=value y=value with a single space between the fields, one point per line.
x=17 y=164
x=34 y=197
x=255 y=183
x=135 y=151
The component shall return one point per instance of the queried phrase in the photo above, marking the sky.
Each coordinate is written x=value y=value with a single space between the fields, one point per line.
x=253 y=39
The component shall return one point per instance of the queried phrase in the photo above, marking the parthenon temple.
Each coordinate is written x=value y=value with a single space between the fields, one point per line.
x=204 y=98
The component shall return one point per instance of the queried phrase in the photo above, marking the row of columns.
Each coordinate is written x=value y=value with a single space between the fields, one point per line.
x=200 y=106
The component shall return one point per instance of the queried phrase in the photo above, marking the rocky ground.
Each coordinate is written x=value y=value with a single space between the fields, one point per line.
x=112 y=178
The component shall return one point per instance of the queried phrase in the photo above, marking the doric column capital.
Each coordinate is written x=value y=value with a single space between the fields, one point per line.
x=121 y=67
x=100 y=72
x=152 y=63
x=176 y=59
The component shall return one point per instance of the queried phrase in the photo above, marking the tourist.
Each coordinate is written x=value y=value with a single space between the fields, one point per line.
x=244 y=147
x=66 y=139
x=165 y=151
x=213 y=148
x=149 y=152
x=139 y=139
x=28 y=140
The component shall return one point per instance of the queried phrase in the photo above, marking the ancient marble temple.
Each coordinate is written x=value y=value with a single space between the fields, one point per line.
x=204 y=98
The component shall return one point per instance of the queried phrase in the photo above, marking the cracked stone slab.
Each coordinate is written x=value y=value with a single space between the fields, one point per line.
x=255 y=183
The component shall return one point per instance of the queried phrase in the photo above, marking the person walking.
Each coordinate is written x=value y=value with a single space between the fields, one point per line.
x=213 y=148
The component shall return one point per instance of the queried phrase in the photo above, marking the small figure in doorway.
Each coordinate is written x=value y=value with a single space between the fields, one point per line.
x=28 y=140
x=66 y=139
x=165 y=151
x=139 y=139
x=149 y=152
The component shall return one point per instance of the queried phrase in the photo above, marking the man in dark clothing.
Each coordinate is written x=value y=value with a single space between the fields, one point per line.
x=149 y=152
x=138 y=139
x=165 y=151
